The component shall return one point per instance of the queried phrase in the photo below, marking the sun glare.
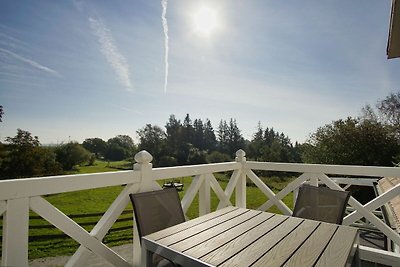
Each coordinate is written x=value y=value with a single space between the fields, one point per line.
x=205 y=20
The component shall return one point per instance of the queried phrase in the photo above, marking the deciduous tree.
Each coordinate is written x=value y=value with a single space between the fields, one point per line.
x=386 y=111
x=152 y=138
x=71 y=154
x=120 y=147
x=23 y=156
x=352 y=141
x=95 y=145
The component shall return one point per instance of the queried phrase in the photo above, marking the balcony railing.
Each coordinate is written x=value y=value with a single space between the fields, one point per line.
x=17 y=197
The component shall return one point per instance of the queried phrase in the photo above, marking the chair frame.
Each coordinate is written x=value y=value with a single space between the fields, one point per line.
x=165 y=191
x=322 y=191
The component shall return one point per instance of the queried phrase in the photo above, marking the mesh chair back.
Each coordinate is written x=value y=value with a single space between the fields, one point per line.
x=156 y=210
x=321 y=204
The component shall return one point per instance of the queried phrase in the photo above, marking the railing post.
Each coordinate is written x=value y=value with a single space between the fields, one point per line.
x=204 y=197
x=144 y=166
x=241 y=183
x=15 y=233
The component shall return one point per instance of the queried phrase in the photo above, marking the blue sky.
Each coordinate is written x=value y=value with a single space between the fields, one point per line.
x=71 y=70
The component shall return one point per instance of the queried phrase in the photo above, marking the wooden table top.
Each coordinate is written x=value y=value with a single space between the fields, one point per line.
x=242 y=237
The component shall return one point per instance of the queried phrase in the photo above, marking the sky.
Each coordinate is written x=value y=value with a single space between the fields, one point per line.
x=77 y=69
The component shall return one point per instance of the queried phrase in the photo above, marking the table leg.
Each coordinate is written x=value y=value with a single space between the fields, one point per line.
x=146 y=256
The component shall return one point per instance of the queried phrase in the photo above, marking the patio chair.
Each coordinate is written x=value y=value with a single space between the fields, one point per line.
x=155 y=211
x=321 y=204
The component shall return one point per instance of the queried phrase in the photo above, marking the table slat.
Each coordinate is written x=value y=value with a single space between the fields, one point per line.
x=212 y=230
x=267 y=241
x=226 y=218
x=284 y=249
x=309 y=252
x=180 y=227
x=248 y=230
x=338 y=250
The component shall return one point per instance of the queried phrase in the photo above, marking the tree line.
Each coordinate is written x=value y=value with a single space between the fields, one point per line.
x=373 y=138
x=24 y=156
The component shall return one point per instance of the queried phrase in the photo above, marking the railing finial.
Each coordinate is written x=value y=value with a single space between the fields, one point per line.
x=143 y=157
x=240 y=155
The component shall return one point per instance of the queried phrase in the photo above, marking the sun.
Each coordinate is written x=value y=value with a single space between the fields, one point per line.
x=205 y=20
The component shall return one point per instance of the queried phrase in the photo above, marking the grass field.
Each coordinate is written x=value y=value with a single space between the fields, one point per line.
x=45 y=240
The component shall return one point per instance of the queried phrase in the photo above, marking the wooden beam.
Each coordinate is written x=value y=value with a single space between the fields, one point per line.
x=393 y=47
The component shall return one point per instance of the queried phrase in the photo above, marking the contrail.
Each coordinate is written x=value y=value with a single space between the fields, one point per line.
x=164 y=4
x=109 y=49
x=30 y=62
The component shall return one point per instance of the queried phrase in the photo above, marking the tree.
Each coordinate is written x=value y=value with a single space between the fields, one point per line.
x=71 y=154
x=223 y=137
x=229 y=137
x=352 y=141
x=120 y=147
x=216 y=156
x=256 y=144
x=187 y=130
x=24 y=157
x=173 y=135
x=196 y=156
x=95 y=145
x=386 y=111
x=210 y=141
x=152 y=138
x=390 y=109
x=198 y=134
x=235 y=139
x=268 y=145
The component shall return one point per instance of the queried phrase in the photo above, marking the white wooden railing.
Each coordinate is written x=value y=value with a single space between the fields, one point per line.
x=17 y=197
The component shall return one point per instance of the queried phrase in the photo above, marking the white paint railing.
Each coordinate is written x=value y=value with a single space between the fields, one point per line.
x=17 y=197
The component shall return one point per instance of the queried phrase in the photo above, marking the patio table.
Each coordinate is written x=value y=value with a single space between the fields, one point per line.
x=243 y=237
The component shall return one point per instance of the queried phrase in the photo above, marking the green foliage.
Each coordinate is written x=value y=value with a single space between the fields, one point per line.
x=386 y=112
x=152 y=139
x=95 y=145
x=230 y=138
x=196 y=156
x=216 y=156
x=389 y=109
x=92 y=160
x=189 y=142
x=72 y=154
x=166 y=161
x=352 y=141
x=119 y=148
x=268 y=145
x=24 y=157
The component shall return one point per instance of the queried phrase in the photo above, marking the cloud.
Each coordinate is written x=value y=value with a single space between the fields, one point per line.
x=126 y=109
x=78 y=5
x=164 y=4
x=108 y=48
x=30 y=62
x=10 y=41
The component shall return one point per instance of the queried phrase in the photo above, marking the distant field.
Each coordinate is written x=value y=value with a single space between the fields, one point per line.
x=105 y=166
x=46 y=241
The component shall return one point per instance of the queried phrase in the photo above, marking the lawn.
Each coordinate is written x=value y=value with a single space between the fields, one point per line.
x=45 y=240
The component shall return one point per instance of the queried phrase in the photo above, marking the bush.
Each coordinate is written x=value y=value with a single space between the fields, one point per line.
x=217 y=156
x=72 y=154
x=24 y=157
